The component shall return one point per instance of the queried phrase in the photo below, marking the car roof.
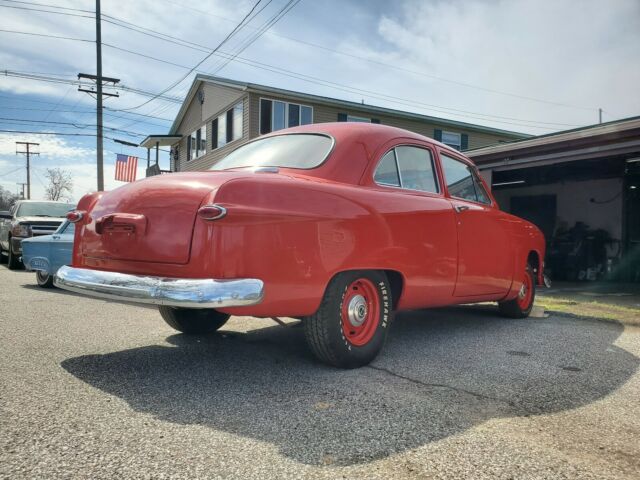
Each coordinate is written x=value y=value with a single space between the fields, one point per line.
x=342 y=162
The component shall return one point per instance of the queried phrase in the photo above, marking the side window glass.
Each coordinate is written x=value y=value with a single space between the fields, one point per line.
x=483 y=197
x=387 y=171
x=416 y=169
x=459 y=178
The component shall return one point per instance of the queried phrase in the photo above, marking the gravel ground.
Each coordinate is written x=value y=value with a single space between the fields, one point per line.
x=91 y=389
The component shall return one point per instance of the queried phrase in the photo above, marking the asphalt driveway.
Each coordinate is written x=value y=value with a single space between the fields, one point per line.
x=91 y=389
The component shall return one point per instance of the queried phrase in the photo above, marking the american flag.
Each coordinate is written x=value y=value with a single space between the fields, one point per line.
x=126 y=168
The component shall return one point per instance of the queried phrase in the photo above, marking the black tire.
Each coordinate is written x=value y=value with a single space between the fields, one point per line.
x=516 y=308
x=327 y=331
x=45 y=280
x=3 y=256
x=13 y=262
x=193 y=321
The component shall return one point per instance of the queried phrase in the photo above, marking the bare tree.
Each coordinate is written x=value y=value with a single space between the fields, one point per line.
x=6 y=198
x=60 y=184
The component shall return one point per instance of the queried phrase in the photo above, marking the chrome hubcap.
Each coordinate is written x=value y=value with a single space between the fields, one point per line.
x=523 y=291
x=357 y=310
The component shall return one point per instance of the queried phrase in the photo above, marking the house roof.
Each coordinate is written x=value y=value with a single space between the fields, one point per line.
x=160 y=140
x=618 y=133
x=257 y=88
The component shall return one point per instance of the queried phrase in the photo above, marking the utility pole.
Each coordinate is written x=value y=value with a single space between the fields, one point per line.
x=22 y=185
x=27 y=152
x=599 y=115
x=98 y=78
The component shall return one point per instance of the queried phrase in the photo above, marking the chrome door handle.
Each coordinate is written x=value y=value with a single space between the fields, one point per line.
x=461 y=208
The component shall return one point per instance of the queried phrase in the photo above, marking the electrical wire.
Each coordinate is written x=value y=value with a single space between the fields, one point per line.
x=233 y=32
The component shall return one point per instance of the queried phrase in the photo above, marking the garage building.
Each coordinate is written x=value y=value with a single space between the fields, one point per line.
x=582 y=188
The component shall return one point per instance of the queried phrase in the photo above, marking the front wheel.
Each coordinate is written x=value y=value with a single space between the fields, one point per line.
x=193 y=321
x=44 y=279
x=350 y=327
x=520 y=307
x=13 y=261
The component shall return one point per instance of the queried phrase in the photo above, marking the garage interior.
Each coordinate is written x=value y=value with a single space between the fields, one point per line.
x=582 y=189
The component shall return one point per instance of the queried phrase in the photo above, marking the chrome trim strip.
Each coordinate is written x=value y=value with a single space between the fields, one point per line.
x=176 y=292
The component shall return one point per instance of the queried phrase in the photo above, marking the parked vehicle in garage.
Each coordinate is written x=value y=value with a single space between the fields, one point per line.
x=46 y=254
x=337 y=224
x=28 y=218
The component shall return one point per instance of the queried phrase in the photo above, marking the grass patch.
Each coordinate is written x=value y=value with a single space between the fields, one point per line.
x=592 y=309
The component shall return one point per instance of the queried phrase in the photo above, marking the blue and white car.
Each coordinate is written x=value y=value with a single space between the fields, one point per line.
x=46 y=254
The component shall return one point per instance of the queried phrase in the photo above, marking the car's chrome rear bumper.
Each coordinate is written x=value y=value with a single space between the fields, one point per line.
x=177 y=292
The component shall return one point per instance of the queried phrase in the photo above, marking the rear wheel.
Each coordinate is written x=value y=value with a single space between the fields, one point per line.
x=350 y=327
x=193 y=320
x=520 y=307
x=44 y=279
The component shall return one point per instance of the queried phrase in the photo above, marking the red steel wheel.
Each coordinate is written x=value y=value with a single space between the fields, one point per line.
x=526 y=291
x=520 y=307
x=360 y=313
x=349 y=328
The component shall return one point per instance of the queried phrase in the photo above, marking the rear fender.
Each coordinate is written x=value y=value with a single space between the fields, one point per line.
x=295 y=235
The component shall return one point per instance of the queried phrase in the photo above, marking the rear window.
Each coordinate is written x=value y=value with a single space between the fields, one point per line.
x=301 y=150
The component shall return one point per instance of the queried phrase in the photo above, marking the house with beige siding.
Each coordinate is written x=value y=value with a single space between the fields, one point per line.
x=220 y=114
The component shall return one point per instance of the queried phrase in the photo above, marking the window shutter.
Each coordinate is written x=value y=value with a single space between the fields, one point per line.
x=265 y=116
x=437 y=134
x=375 y=120
x=342 y=117
x=189 y=147
x=214 y=133
x=464 y=142
x=229 y=125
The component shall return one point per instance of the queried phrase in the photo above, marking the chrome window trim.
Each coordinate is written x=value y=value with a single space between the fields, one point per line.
x=436 y=176
x=472 y=167
x=269 y=135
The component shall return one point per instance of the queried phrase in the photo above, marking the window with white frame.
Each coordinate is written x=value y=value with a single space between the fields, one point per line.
x=354 y=118
x=276 y=115
x=454 y=140
x=228 y=126
x=197 y=143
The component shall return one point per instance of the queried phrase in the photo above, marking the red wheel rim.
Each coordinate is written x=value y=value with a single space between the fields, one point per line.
x=526 y=292
x=360 y=313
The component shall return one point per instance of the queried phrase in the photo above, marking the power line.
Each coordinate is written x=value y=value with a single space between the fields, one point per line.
x=168 y=120
x=49 y=5
x=72 y=124
x=266 y=26
x=348 y=89
x=45 y=11
x=200 y=62
x=10 y=172
x=33 y=34
x=393 y=66
x=50 y=78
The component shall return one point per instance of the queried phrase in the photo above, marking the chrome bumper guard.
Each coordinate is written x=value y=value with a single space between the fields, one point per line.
x=176 y=292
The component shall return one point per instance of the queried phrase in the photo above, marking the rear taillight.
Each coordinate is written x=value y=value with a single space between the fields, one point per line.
x=211 y=212
x=75 y=216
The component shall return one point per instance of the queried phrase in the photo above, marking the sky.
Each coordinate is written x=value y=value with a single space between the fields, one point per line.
x=527 y=66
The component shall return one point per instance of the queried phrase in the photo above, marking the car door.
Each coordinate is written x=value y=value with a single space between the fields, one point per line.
x=421 y=222
x=485 y=260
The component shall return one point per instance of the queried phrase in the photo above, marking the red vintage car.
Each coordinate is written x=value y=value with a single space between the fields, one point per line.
x=340 y=225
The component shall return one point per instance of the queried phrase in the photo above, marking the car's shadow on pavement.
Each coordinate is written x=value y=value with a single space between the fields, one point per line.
x=441 y=373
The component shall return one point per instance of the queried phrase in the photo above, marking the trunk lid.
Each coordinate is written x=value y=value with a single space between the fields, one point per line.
x=151 y=220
